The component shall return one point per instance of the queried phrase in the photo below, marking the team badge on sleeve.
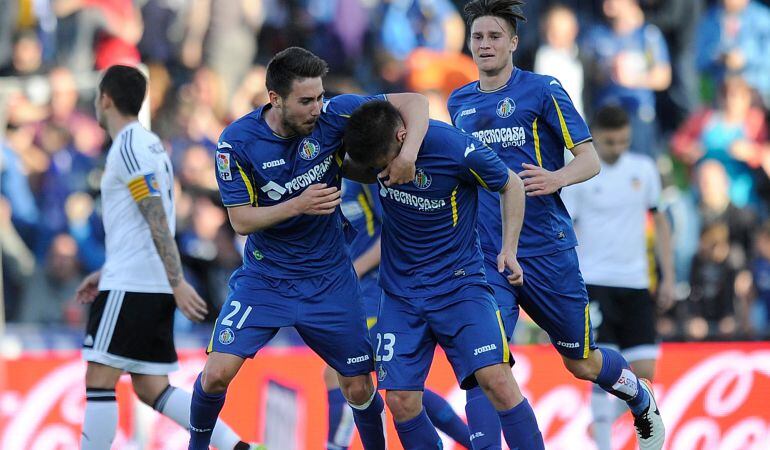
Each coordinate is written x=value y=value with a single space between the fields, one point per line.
x=223 y=166
x=505 y=108
x=309 y=148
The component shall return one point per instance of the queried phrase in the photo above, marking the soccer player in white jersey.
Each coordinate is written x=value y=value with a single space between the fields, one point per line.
x=134 y=295
x=610 y=213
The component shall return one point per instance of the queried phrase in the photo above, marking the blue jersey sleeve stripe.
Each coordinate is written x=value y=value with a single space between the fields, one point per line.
x=478 y=178
x=564 y=130
x=536 y=137
x=453 y=201
x=367 y=214
x=247 y=182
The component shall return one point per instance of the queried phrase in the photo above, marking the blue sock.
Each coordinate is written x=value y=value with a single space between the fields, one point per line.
x=418 y=433
x=370 y=422
x=483 y=421
x=340 y=423
x=204 y=410
x=616 y=378
x=520 y=427
x=445 y=419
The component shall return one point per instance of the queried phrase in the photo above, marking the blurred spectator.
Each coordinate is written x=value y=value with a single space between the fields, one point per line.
x=97 y=33
x=27 y=58
x=87 y=136
x=14 y=187
x=628 y=62
x=163 y=30
x=18 y=263
x=54 y=285
x=678 y=21
x=711 y=305
x=760 y=271
x=436 y=74
x=250 y=95
x=222 y=35
x=409 y=24
x=733 y=134
x=197 y=170
x=733 y=39
x=7 y=29
x=558 y=56
x=86 y=227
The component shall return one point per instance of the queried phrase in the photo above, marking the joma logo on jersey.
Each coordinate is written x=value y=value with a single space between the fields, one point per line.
x=275 y=163
x=421 y=179
x=507 y=137
x=358 y=359
x=484 y=349
x=568 y=344
x=505 y=108
x=309 y=148
x=467 y=112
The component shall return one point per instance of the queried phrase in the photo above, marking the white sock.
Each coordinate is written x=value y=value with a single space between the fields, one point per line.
x=101 y=420
x=603 y=409
x=174 y=403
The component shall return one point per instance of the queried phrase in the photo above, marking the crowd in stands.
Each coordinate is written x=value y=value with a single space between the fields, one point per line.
x=692 y=74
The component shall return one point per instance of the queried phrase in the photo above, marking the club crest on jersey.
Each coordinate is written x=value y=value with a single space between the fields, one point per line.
x=226 y=336
x=421 y=179
x=309 y=148
x=223 y=166
x=505 y=108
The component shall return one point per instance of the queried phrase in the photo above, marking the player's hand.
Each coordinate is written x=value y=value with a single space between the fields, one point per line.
x=318 y=200
x=507 y=260
x=88 y=289
x=400 y=170
x=189 y=302
x=666 y=294
x=539 y=181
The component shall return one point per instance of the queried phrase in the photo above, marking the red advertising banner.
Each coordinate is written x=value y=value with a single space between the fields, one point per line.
x=712 y=397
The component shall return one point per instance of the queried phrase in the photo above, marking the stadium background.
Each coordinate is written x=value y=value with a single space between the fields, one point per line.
x=205 y=59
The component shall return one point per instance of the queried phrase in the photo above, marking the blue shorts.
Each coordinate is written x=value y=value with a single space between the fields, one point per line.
x=326 y=311
x=371 y=291
x=554 y=295
x=465 y=322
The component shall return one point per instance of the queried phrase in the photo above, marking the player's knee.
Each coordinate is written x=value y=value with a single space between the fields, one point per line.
x=330 y=378
x=404 y=405
x=357 y=390
x=582 y=369
x=215 y=380
x=499 y=386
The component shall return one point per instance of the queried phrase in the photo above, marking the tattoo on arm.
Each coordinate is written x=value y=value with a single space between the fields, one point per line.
x=155 y=215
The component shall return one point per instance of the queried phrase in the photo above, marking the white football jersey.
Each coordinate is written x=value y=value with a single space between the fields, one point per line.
x=610 y=213
x=137 y=166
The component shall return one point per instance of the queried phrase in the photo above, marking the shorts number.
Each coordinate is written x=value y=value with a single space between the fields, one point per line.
x=236 y=307
x=389 y=339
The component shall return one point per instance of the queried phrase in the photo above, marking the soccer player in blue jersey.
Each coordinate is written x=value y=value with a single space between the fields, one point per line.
x=361 y=206
x=528 y=120
x=432 y=272
x=278 y=171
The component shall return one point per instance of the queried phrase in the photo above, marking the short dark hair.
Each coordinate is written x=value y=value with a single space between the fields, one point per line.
x=292 y=64
x=508 y=10
x=370 y=132
x=611 y=117
x=126 y=86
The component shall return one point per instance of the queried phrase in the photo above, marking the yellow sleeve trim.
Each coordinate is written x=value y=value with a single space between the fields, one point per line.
x=138 y=188
x=587 y=333
x=536 y=136
x=453 y=200
x=367 y=213
x=478 y=178
x=564 y=131
x=247 y=182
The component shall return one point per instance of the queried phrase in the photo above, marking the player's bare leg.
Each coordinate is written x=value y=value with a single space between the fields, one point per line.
x=368 y=409
x=517 y=418
x=209 y=396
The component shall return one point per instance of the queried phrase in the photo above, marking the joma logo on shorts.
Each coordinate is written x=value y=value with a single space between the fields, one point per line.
x=486 y=348
x=358 y=359
x=477 y=434
x=568 y=344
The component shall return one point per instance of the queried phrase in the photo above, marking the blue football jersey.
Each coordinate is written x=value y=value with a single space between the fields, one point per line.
x=530 y=119
x=430 y=245
x=361 y=206
x=257 y=167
